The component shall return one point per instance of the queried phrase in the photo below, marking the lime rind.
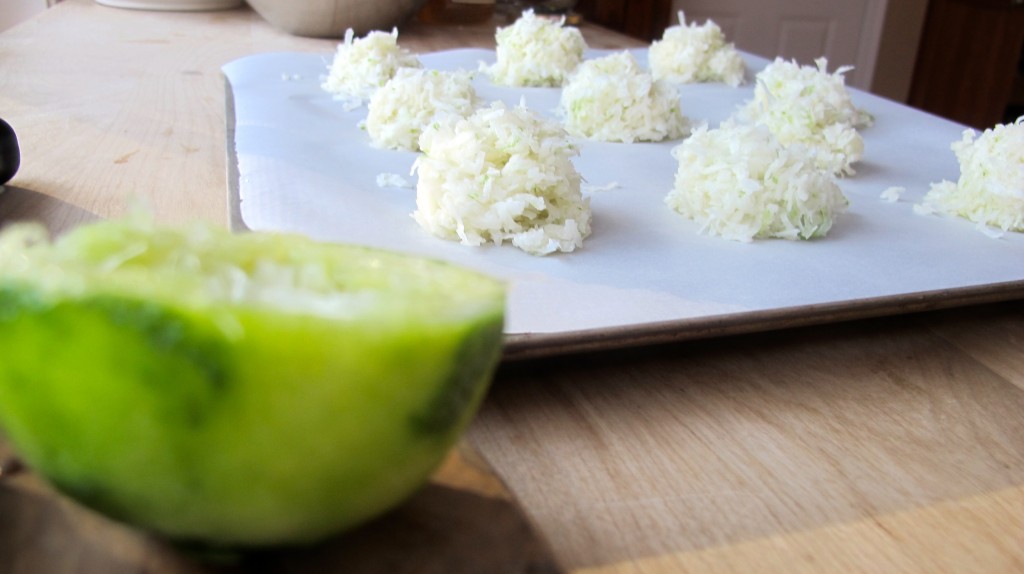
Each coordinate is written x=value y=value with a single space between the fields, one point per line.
x=167 y=401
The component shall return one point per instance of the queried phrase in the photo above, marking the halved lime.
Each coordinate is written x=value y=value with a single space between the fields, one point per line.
x=237 y=389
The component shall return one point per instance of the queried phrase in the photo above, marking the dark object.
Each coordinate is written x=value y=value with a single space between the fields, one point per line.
x=968 y=59
x=643 y=19
x=10 y=155
x=11 y=465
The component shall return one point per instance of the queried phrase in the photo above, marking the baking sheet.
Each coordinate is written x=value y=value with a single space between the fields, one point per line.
x=300 y=163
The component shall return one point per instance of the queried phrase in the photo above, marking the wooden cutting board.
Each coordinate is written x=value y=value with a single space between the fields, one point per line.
x=463 y=521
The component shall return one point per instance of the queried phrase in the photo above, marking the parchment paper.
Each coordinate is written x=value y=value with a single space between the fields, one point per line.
x=303 y=165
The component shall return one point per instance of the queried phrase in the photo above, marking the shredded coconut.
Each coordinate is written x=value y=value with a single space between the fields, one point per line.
x=807 y=105
x=589 y=188
x=739 y=182
x=990 y=232
x=501 y=174
x=363 y=65
x=990 y=190
x=536 y=51
x=922 y=209
x=892 y=194
x=393 y=180
x=414 y=99
x=691 y=53
x=613 y=99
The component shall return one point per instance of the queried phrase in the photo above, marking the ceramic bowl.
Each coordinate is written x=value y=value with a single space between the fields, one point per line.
x=173 y=5
x=330 y=18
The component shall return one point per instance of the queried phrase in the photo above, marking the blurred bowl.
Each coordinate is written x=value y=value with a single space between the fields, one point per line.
x=330 y=18
x=173 y=5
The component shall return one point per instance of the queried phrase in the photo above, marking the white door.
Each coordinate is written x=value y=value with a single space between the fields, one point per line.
x=847 y=32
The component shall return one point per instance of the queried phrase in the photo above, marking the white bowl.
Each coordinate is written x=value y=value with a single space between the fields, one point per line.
x=330 y=18
x=173 y=5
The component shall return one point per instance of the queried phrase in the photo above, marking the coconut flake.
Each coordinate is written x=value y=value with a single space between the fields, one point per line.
x=536 y=51
x=892 y=194
x=361 y=66
x=990 y=190
x=691 y=53
x=807 y=105
x=613 y=99
x=502 y=174
x=739 y=182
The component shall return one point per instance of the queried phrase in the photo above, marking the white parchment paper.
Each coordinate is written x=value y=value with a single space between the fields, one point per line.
x=303 y=165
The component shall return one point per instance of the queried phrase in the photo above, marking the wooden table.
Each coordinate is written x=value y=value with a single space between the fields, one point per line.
x=881 y=445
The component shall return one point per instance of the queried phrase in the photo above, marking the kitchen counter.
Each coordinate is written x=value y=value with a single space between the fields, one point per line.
x=879 y=445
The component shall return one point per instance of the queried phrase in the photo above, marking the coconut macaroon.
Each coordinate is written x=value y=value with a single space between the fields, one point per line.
x=739 y=182
x=501 y=174
x=536 y=51
x=362 y=65
x=990 y=190
x=414 y=99
x=688 y=53
x=613 y=99
x=809 y=106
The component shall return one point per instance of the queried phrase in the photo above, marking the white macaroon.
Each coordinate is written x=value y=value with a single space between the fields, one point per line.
x=502 y=174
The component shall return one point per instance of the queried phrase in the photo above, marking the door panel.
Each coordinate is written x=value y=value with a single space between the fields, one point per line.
x=644 y=19
x=805 y=38
x=844 y=31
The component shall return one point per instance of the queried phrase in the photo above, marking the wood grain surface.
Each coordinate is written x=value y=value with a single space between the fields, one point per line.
x=464 y=521
x=883 y=445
